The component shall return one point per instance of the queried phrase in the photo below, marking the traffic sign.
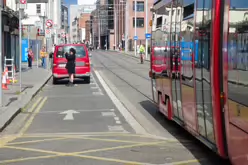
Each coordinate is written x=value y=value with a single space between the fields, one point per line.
x=49 y=23
x=135 y=38
x=47 y=31
x=23 y=1
x=63 y=35
x=148 y=35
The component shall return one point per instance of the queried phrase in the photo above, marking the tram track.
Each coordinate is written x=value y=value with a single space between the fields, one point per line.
x=123 y=67
x=121 y=78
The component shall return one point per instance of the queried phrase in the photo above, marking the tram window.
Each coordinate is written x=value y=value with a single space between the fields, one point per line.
x=202 y=69
x=238 y=63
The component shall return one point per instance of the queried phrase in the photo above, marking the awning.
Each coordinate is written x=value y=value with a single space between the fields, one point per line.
x=188 y=17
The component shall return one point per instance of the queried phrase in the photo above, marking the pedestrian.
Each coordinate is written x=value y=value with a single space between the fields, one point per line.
x=43 y=55
x=70 y=65
x=30 y=57
x=142 y=51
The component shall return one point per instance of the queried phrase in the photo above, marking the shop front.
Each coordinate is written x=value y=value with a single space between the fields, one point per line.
x=10 y=42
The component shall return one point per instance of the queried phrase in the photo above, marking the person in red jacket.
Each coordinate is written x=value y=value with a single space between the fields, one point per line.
x=30 y=57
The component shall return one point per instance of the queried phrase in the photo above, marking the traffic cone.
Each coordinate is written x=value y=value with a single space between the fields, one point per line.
x=7 y=75
x=4 y=82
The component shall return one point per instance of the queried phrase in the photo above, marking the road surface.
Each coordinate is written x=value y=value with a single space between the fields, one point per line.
x=110 y=121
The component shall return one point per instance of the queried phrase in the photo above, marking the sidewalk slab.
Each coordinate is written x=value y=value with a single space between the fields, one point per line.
x=13 y=101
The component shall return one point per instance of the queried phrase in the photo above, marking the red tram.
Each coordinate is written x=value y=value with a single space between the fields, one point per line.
x=209 y=99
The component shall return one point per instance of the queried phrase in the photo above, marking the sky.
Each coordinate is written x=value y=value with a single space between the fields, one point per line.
x=70 y=2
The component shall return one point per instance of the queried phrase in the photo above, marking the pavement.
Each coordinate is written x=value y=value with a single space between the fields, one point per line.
x=110 y=121
x=14 y=100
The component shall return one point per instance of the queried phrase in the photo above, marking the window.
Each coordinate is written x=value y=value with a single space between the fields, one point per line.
x=237 y=44
x=178 y=12
x=80 y=52
x=140 y=22
x=38 y=8
x=202 y=70
x=140 y=6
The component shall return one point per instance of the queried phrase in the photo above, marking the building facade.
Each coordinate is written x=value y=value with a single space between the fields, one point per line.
x=64 y=24
x=103 y=23
x=75 y=13
x=10 y=32
x=127 y=9
x=111 y=19
x=84 y=17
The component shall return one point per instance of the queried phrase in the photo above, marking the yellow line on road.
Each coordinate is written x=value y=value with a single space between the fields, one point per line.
x=186 y=162
x=110 y=160
x=36 y=141
x=36 y=150
x=105 y=140
x=28 y=158
x=30 y=120
x=6 y=139
x=118 y=147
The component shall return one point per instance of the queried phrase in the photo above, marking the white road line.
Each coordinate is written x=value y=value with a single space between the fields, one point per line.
x=125 y=113
x=98 y=93
x=118 y=122
x=81 y=110
x=108 y=114
x=96 y=87
x=116 y=128
x=116 y=118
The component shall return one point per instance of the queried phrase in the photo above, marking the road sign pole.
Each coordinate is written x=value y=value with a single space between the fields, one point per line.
x=1 y=62
x=146 y=6
x=20 y=47
x=135 y=27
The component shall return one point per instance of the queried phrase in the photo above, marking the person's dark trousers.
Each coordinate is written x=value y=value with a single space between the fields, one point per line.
x=30 y=62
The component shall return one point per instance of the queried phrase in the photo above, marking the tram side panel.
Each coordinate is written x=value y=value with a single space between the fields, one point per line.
x=235 y=80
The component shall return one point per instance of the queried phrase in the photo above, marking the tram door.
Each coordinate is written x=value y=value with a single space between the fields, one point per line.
x=175 y=58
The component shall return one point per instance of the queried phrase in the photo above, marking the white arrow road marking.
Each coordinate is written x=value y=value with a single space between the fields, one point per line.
x=69 y=114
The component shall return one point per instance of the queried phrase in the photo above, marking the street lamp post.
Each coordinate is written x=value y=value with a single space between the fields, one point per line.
x=126 y=27
x=21 y=10
x=135 y=27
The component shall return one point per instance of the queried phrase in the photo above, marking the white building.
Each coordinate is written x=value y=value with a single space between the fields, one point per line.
x=85 y=2
x=38 y=13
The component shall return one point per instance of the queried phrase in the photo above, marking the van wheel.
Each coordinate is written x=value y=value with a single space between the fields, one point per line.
x=87 y=80
x=54 y=81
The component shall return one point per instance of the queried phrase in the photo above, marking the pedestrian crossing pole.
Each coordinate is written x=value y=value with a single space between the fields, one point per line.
x=1 y=62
